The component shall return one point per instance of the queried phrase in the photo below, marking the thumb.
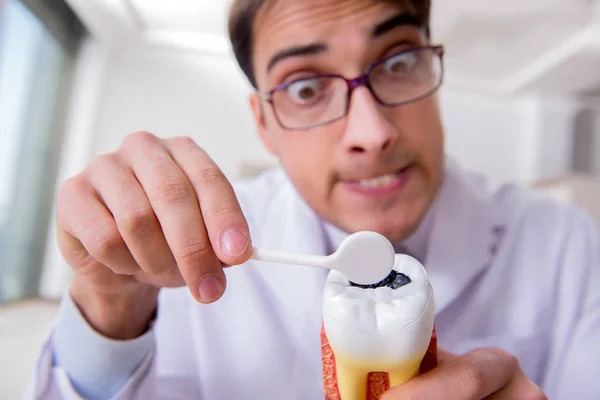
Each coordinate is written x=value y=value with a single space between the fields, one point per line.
x=445 y=356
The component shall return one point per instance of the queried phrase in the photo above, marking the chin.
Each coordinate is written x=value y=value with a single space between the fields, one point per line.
x=395 y=224
x=395 y=216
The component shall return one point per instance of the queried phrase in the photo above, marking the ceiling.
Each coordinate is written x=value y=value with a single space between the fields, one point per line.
x=506 y=47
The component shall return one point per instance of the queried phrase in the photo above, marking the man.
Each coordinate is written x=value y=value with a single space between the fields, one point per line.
x=346 y=100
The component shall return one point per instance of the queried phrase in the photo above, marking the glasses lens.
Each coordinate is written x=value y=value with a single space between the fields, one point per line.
x=311 y=101
x=407 y=76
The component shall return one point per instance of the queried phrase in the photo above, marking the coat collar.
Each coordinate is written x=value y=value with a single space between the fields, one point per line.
x=291 y=226
x=416 y=245
x=467 y=229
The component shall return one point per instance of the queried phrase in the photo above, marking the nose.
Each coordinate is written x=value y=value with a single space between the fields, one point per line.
x=368 y=131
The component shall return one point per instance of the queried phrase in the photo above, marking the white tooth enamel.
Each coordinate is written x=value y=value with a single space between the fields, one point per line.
x=376 y=312
x=379 y=329
x=378 y=182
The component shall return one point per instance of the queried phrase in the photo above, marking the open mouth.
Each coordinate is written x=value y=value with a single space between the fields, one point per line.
x=381 y=183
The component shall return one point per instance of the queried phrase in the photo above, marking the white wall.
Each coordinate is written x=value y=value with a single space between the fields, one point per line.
x=523 y=139
x=172 y=93
x=484 y=133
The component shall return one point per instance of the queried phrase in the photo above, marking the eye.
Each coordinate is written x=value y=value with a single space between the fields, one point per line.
x=305 y=91
x=402 y=63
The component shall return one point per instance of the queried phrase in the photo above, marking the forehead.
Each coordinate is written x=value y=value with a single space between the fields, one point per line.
x=280 y=22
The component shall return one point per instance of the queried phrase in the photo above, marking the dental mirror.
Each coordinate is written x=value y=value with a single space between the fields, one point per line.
x=364 y=258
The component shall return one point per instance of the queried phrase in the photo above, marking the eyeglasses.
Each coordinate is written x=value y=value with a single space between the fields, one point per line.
x=402 y=78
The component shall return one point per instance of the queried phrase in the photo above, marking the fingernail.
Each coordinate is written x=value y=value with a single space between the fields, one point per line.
x=234 y=243
x=210 y=288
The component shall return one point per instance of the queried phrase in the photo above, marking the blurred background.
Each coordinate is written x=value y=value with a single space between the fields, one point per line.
x=521 y=103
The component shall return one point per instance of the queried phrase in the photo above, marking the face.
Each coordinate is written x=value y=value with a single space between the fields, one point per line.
x=377 y=168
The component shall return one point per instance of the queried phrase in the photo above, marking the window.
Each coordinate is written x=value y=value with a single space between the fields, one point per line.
x=35 y=65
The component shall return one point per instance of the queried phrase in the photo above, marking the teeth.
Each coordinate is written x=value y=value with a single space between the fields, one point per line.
x=379 y=181
x=378 y=330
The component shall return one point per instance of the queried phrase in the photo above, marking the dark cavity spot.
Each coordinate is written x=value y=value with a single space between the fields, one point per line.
x=394 y=280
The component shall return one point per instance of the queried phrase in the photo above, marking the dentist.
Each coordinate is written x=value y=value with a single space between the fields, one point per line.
x=346 y=99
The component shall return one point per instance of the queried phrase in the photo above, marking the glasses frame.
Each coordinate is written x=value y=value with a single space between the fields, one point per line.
x=362 y=80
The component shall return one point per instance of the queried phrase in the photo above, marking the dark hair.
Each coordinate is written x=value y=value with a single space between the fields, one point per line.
x=241 y=23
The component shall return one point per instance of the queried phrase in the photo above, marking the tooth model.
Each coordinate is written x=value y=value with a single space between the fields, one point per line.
x=377 y=336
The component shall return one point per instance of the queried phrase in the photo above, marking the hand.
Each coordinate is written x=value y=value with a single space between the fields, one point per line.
x=490 y=374
x=155 y=213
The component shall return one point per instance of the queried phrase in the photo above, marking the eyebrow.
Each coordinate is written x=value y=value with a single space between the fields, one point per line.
x=394 y=22
x=318 y=48
x=308 y=50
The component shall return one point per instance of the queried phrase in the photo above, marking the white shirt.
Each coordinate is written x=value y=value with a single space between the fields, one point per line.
x=509 y=269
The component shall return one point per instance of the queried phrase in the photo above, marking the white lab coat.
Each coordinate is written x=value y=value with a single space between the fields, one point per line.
x=508 y=269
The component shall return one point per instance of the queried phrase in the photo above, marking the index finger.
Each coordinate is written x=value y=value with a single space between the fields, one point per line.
x=176 y=207
x=225 y=223
x=473 y=377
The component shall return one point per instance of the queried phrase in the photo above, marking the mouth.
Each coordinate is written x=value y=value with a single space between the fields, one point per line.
x=379 y=184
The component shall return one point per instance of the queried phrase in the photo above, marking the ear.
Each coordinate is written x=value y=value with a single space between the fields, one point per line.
x=259 y=118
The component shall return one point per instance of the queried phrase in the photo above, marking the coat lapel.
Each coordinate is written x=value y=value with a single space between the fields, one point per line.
x=291 y=226
x=467 y=229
